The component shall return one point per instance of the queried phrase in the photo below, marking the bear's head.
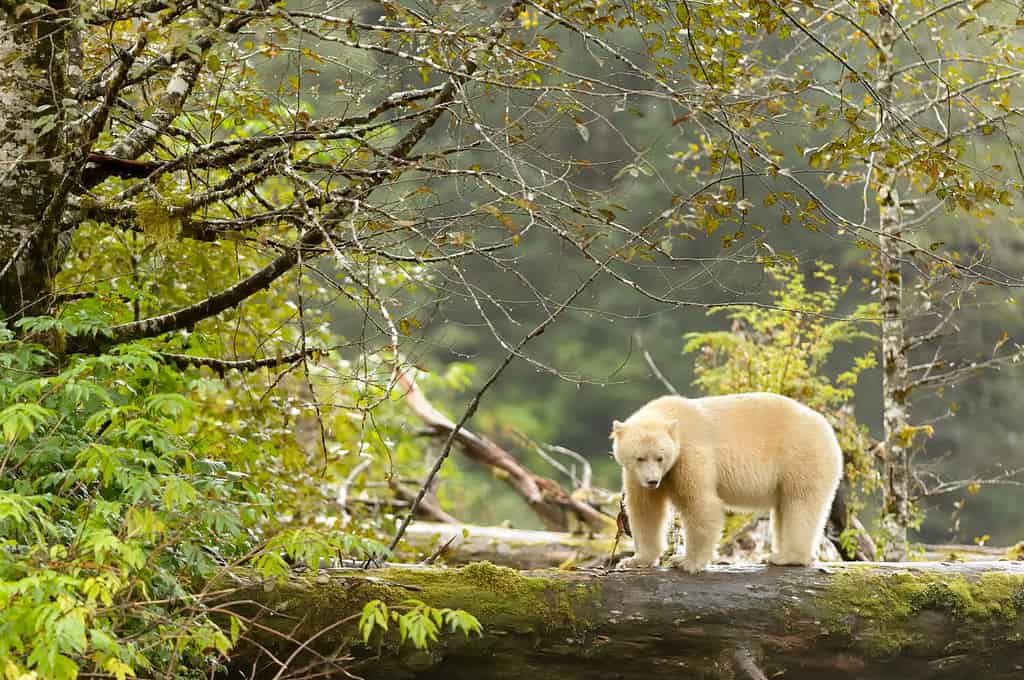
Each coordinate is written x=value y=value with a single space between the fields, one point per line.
x=646 y=449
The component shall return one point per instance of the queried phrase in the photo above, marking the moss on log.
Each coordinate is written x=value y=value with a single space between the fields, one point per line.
x=915 y=620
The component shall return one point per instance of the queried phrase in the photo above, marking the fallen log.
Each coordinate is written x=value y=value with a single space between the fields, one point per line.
x=517 y=548
x=531 y=549
x=867 y=621
x=455 y=543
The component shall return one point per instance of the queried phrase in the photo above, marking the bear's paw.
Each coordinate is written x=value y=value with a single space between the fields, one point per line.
x=689 y=566
x=635 y=562
x=790 y=560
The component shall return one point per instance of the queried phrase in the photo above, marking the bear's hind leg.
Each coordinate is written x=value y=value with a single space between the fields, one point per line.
x=800 y=524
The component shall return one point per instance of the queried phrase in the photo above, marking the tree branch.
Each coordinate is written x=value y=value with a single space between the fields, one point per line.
x=428 y=508
x=655 y=371
x=236 y=294
x=223 y=366
x=544 y=496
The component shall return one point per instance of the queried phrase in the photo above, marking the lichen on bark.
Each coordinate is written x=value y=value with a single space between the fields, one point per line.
x=33 y=51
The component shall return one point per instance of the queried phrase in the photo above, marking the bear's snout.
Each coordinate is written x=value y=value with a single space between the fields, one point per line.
x=652 y=483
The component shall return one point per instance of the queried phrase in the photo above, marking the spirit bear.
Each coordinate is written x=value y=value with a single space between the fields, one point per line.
x=753 y=451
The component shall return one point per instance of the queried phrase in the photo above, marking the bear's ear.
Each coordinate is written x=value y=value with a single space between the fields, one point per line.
x=616 y=429
x=673 y=429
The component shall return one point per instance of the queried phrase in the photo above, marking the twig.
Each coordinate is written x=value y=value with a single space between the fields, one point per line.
x=437 y=553
x=349 y=480
x=654 y=367
x=305 y=644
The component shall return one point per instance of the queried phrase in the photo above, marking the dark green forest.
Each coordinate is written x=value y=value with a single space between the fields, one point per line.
x=279 y=278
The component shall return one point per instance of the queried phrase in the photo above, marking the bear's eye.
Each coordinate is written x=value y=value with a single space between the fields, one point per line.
x=659 y=459
x=641 y=460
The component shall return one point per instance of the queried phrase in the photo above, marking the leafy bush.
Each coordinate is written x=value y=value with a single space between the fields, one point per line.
x=126 y=488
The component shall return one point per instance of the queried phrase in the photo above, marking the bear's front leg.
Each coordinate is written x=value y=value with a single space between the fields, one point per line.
x=647 y=510
x=702 y=529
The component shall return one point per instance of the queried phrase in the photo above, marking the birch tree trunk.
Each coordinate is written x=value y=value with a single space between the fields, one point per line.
x=34 y=58
x=896 y=473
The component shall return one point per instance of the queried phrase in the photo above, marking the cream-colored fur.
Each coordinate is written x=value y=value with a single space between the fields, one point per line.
x=755 y=451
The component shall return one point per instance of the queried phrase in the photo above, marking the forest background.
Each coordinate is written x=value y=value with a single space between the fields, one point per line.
x=233 y=230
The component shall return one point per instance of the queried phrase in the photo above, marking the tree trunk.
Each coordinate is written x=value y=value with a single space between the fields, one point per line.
x=911 y=621
x=895 y=518
x=34 y=57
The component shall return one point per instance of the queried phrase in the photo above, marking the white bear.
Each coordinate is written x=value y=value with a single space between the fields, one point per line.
x=755 y=451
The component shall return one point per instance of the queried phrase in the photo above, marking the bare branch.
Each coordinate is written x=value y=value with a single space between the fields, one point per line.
x=654 y=367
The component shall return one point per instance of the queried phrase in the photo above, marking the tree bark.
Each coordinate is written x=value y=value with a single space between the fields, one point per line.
x=911 y=621
x=34 y=58
x=895 y=518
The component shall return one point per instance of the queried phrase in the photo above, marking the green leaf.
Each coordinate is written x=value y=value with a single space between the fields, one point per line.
x=20 y=421
x=168 y=405
x=70 y=632
x=374 y=615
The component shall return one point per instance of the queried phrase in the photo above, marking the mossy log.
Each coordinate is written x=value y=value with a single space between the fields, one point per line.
x=909 y=621
x=457 y=544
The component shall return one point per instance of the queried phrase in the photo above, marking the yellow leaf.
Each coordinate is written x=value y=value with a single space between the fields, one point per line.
x=528 y=19
x=12 y=672
x=118 y=669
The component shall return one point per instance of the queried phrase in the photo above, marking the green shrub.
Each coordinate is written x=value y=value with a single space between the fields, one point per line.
x=126 y=486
